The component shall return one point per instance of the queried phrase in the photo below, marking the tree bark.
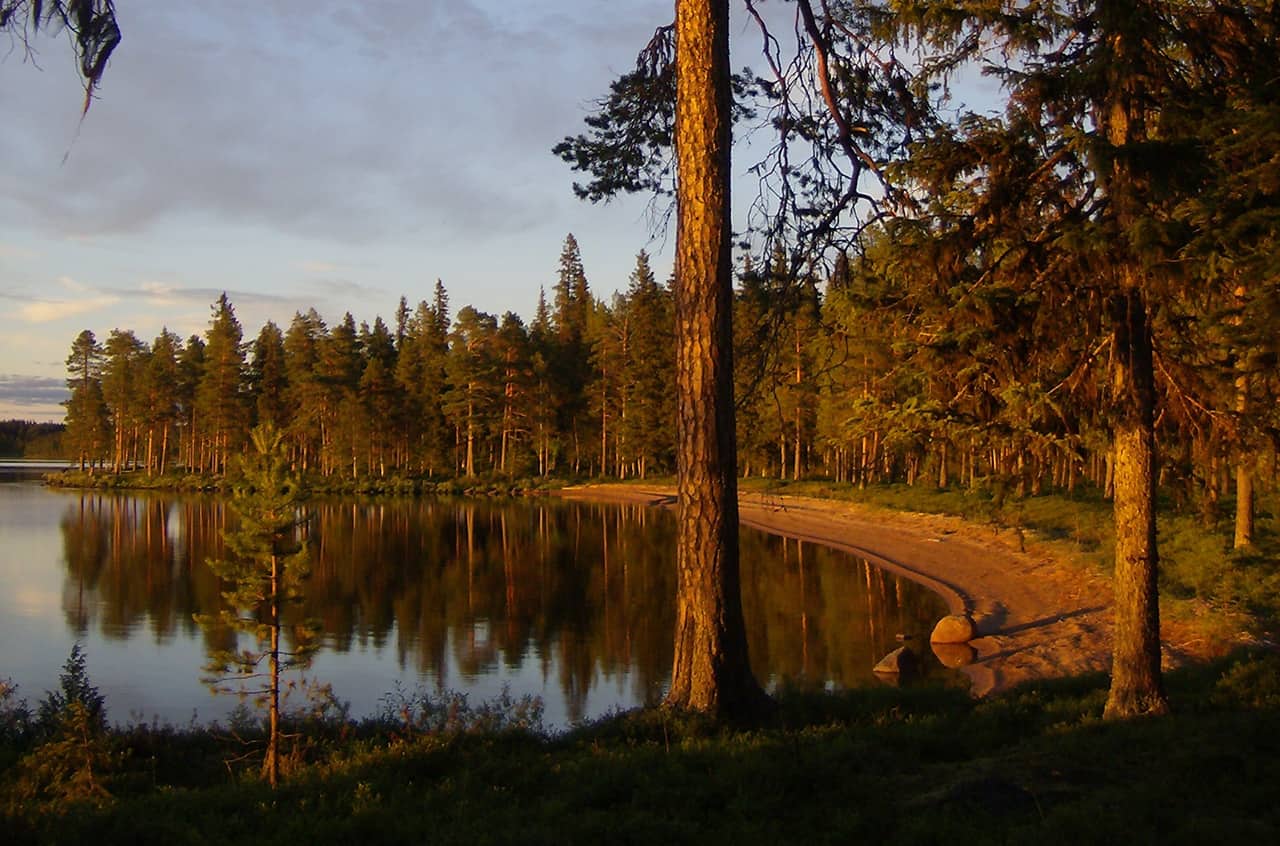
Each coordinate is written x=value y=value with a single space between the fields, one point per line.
x=1244 y=474
x=710 y=671
x=1136 y=684
x=271 y=764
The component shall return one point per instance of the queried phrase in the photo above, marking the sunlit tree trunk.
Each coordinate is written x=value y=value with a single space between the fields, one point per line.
x=271 y=764
x=710 y=671
x=1244 y=474
x=1136 y=685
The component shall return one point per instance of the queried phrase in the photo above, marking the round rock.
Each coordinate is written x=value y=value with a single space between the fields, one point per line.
x=954 y=628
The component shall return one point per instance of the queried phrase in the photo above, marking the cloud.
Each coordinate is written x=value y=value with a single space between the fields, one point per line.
x=32 y=392
x=319 y=267
x=326 y=119
x=46 y=311
x=344 y=289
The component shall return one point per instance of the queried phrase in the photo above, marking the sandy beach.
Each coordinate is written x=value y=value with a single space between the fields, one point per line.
x=1038 y=615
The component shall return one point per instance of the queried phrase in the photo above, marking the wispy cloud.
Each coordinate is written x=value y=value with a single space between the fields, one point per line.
x=320 y=267
x=73 y=285
x=31 y=391
x=46 y=311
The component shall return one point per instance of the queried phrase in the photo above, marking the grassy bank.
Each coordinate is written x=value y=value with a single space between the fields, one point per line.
x=393 y=485
x=880 y=766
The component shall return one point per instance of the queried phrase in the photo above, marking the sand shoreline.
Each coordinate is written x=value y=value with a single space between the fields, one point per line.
x=1038 y=615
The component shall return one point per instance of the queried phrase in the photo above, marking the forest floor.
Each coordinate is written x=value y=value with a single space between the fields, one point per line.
x=1041 y=611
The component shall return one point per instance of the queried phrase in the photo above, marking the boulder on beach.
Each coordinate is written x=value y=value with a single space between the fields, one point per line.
x=954 y=628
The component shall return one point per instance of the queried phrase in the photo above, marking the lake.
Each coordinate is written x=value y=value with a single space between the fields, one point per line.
x=569 y=601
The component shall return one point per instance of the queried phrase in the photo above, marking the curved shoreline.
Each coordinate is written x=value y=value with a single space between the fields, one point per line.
x=1037 y=616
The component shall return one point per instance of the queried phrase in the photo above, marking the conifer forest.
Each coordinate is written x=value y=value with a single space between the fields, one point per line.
x=864 y=375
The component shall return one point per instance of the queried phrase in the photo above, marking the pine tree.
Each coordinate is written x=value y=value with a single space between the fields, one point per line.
x=162 y=401
x=648 y=363
x=511 y=352
x=377 y=393
x=190 y=374
x=86 y=434
x=710 y=670
x=264 y=573
x=473 y=399
x=92 y=24
x=268 y=379
x=122 y=373
x=220 y=397
x=420 y=374
x=569 y=361
x=305 y=394
x=340 y=367
x=542 y=356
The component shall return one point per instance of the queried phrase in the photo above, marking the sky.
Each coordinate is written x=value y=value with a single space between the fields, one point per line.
x=311 y=153
x=300 y=153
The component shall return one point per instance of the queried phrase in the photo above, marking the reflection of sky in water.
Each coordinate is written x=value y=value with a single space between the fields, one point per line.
x=147 y=658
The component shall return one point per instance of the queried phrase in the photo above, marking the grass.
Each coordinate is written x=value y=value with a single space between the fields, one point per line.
x=337 y=484
x=882 y=766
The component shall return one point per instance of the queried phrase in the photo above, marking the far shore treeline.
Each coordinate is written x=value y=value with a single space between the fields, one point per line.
x=28 y=439
x=858 y=375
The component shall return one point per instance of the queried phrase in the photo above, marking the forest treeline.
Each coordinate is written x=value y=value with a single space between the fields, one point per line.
x=28 y=439
x=865 y=374
x=581 y=390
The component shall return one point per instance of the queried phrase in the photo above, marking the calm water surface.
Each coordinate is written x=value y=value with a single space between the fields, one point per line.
x=569 y=601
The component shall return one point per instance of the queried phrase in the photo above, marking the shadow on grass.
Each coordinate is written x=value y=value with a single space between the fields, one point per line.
x=880 y=765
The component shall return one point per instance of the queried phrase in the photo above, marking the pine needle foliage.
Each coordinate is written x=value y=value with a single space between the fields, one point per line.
x=264 y=570
x=91 y=24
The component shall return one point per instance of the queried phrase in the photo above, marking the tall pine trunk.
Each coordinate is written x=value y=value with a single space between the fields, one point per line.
x=271 y=763
x=1136 y=685
x=710 y=671
x=1244 y=474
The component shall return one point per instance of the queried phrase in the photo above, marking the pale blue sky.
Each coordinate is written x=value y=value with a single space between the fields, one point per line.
x=336 y=160
x=299 y=153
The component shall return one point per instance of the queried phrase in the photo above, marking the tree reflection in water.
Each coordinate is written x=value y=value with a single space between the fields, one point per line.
x=572 y=599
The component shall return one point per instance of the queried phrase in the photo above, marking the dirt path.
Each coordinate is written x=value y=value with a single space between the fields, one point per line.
x=1038 y=616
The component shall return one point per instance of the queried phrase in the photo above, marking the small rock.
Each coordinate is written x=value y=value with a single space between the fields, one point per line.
x=954 y=628
x=900 y=661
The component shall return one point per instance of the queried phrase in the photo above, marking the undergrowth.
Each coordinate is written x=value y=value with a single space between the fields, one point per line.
x=881 y=765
